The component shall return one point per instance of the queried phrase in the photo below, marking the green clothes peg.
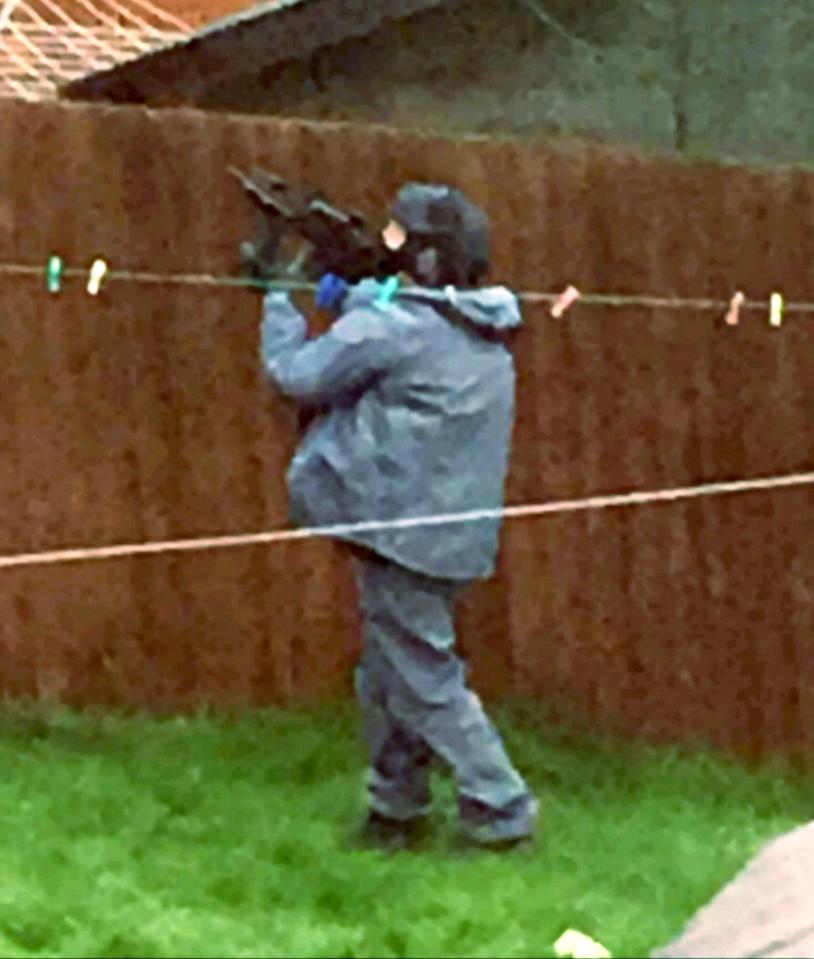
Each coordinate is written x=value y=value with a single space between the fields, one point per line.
x=53 y=274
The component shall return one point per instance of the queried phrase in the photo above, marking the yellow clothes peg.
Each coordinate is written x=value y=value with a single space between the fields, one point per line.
x=97 y=274
x=776 y=310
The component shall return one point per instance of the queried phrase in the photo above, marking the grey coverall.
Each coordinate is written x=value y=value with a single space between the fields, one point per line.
x=416 y=415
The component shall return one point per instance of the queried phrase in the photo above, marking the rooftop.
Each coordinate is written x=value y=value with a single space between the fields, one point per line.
x=47 y=43
x=256 y=37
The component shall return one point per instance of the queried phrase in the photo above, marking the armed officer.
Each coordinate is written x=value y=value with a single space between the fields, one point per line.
x=417 y=409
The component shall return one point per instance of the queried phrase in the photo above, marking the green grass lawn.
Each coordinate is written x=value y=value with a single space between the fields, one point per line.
x=125 y=836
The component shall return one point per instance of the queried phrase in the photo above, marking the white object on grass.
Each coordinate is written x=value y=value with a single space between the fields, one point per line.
x=579 y=946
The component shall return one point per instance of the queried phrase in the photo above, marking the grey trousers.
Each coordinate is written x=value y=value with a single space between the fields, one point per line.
x=416 y=707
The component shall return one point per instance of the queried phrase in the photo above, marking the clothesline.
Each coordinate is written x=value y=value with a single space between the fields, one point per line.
x=100 y=274
x=507 y=512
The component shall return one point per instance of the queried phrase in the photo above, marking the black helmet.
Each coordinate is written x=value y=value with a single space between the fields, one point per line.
x=443 y=218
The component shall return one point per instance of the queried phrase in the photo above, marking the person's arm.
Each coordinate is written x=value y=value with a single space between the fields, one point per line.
x=359 y=347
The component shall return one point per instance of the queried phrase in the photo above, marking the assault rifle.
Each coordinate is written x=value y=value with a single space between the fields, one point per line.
x=330 y=240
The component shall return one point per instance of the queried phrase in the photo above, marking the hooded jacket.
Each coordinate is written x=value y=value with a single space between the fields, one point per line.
x=416 y=402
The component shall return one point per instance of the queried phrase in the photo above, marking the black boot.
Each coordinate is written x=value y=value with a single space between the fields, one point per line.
x=393 y=835
x=466 y=845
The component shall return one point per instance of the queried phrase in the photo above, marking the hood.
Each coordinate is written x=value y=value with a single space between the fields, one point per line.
x=493 y=309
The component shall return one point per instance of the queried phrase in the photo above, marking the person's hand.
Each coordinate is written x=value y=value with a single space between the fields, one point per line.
x=331 y=292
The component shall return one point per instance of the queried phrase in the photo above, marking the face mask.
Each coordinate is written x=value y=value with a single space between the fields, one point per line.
x=426 y=265
x=414 y=259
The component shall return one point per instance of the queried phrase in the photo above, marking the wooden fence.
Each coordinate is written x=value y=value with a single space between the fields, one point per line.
x=140 y=415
